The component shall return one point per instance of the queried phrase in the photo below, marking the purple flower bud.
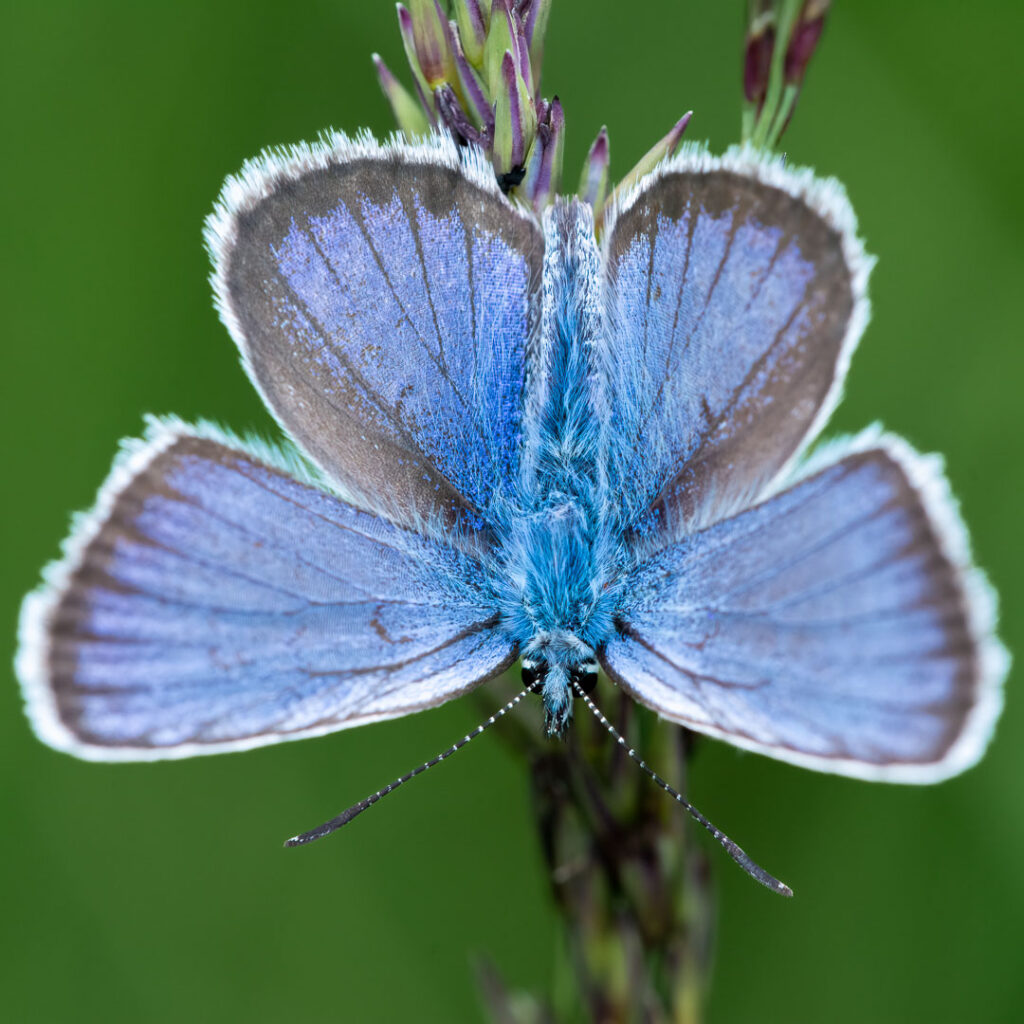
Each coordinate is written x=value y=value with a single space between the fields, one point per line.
x=534 y=16
x=506 y=33
x=535 y=23
x=430 y=37
x=522 y=45
x=806 y=33
x=554 y=147
x=661 y=150
x=510 y=80
x=472 y=21
x=544 y=160
x=455 y=118
x=499 y=40
x=472 y=85
x=760 y=45
x=594 y=180
x=423 y=90
x=756 y=63
x=515 y=120
x=671 y=141
x=408 y=113
x=387 y=80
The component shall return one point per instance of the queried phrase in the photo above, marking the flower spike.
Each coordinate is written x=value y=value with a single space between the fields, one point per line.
x=476 y=67
x=782 y=35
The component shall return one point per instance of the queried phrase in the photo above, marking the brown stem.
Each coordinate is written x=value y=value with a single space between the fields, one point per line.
x=633 y=895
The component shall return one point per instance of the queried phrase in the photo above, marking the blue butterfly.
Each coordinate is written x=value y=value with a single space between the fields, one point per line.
x=512 y=440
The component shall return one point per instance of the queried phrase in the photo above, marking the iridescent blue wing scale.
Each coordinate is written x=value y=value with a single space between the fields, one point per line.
x=837 y=625
x=384 y=299
x=734 y=291
x=213 y=602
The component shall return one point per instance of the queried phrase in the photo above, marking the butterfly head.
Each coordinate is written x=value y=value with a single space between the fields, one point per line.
x=556 y=680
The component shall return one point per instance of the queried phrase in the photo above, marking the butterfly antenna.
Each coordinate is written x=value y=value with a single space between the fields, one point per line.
x=356 y=809
x=753 y=869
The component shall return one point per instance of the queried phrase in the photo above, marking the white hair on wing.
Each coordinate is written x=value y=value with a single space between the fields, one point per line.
x=926 y=475
x=263 y=175
x=825 y=196
x=30 y=661
x=134 y=456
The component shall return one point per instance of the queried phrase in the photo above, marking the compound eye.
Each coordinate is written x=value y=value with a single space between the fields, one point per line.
x=585 y=676
x=533 y=672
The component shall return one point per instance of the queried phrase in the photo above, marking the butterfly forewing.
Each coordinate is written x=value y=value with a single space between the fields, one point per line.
x=213 y=602
x=384 y=299
x=734 y=290
x=838 y=625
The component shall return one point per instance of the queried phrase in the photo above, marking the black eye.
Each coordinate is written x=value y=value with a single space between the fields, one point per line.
x=584 y=676
x=533 y=673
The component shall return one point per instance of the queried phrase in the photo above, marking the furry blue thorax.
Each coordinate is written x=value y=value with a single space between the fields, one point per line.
x=560 y=558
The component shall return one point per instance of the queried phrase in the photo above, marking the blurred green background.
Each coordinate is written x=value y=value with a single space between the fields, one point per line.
x=161 y=892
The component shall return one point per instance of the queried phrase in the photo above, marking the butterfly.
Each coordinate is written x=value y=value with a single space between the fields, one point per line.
x=511 y=439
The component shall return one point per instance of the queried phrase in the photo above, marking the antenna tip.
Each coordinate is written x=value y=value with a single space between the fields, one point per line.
x=305 y=838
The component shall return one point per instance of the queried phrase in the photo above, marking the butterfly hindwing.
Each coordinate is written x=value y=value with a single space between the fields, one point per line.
x=837 y=625
x=213 y=602
x=384 y=298
x=734 y=290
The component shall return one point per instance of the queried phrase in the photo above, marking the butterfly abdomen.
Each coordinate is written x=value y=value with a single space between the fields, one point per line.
x=559 y=562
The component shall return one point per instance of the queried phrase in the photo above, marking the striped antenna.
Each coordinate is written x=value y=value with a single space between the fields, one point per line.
x=356 y=809
x=754 y=870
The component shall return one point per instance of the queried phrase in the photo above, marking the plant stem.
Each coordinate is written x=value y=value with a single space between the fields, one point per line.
x=633 y=896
